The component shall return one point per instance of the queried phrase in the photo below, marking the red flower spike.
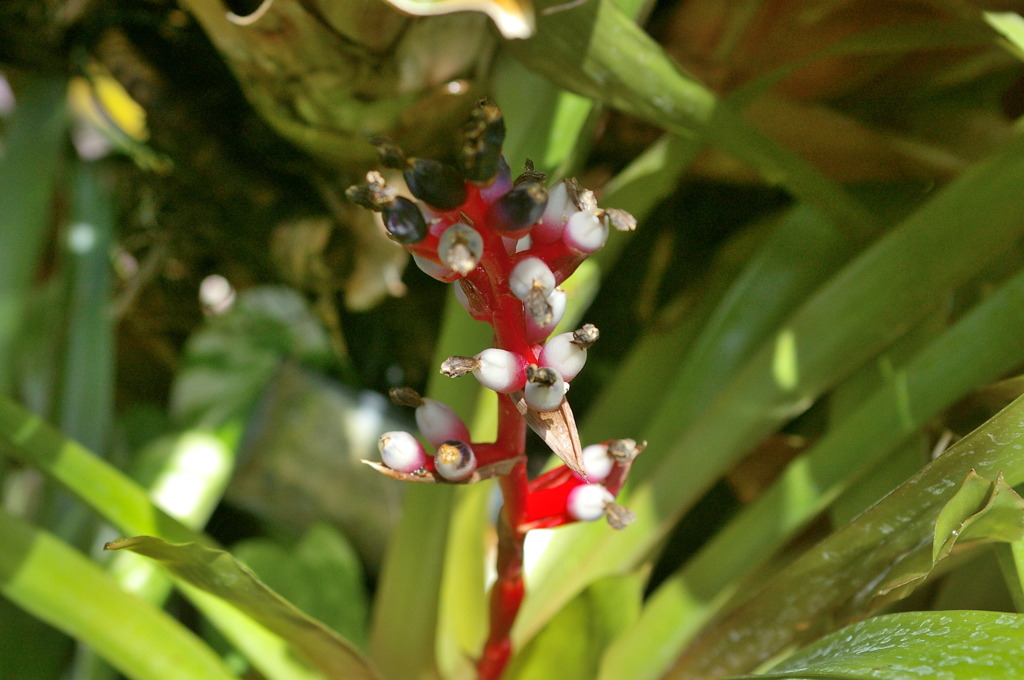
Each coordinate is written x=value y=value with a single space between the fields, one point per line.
x=507 y=245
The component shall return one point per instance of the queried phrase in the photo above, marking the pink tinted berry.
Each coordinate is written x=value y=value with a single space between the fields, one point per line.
x=560 y=206
x=531 y=274
x=588 y=502
x=597 y=462
x=500 y=370
x=438 y=423
x=567 y=352
x=401 y=451
x=585 y=232
x=454 y=460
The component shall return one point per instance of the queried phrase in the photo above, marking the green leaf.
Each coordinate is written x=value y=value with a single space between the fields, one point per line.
x=856 y=314
x=406 y=606
x=911 y=395
x=321 y=575
x=878 y=557
x=48 y=579
x=127 y=506
x=230 y=359
x=570 y=648
x=955 y=645
x=597 y=50
x=219 y=574
x=28 y=173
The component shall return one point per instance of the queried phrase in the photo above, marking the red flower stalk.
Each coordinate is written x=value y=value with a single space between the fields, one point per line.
x=506 y=245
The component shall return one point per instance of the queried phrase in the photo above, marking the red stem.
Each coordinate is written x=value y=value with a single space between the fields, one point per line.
x=507 y=594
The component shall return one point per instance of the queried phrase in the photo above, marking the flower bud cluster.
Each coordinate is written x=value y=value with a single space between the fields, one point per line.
x=507 y=244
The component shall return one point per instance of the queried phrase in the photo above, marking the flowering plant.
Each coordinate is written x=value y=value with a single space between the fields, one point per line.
x=506 y=244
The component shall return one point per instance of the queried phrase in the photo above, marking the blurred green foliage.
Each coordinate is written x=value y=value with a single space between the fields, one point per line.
x=815 y=329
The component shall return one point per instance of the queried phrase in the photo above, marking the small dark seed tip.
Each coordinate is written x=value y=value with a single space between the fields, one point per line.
x=538 y=307
x=405 y=396
x=529 y=175
x=623 y=450
x=455 y=367
x=541 y=375
x=391 y=155
x=585 y=336
x=374 y=194
x=619 y=517
x=620 y=220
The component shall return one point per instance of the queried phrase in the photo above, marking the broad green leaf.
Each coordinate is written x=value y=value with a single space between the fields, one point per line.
x=856 y=314
x=48 y=579
x=321 y=575
x=28 y=173
x=877 y=557
x=219 y=574
x=127 y=506
x=570 y=648
x=953 y=645
x=912 y=395
x=232 y=357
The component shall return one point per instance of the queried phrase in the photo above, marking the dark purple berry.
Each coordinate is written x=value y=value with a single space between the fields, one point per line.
x=404 y=221
x=436 y=184
x=519 y=209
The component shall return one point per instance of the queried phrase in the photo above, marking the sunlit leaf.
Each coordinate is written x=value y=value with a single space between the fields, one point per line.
x=877 y=557
x=219 y=574
x=50 y=580
x=955 y=645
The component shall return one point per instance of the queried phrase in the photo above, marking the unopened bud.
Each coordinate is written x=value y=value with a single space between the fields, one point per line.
x=437 y=422
x=436 y=184
x=401 y=451
x=585 y=232
x=597 y=462
x=500 y=370
x=588 y=502
x=545 y=388
x=460 y=247
x=531 y=273
x=454 y=460
x=404 y=221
